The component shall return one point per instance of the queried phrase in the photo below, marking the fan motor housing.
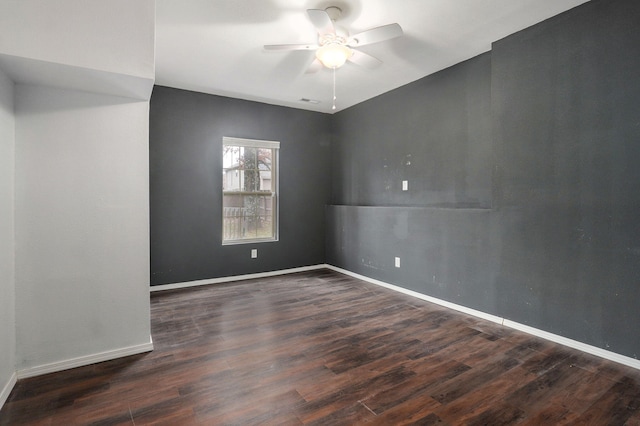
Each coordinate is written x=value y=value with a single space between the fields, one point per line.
x=334 y=12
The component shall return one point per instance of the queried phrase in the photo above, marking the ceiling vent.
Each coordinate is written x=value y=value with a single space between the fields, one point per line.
x=309 y=101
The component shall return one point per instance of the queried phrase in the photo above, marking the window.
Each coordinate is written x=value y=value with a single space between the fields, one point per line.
x=249 y=190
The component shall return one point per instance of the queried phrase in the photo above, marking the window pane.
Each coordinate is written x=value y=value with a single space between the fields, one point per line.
x=233 y=217
x=247 y=217
x=231 y=180
x=265 y=182
x=247 y=171
x=251 y=180
x=249 y=158
x=250 y=228
x=266 y=227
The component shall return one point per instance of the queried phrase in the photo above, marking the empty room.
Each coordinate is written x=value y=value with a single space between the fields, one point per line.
x=315 y=212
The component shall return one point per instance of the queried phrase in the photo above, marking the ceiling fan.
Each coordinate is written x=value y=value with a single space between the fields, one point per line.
x=335 y=46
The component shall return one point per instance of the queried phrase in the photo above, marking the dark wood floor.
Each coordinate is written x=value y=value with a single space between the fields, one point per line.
x=324 y=348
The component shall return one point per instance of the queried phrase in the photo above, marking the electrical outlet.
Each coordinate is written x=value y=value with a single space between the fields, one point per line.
x=254 y=253
x=405 y=185
x=397 y=262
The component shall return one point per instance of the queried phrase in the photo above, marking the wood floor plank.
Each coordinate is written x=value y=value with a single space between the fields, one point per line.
x=322 y=348
x=413 y=411
x=482 y=398
x=415 y=387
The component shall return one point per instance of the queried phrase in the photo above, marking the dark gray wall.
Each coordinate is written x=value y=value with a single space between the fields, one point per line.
x=566 y=103
x=435 y=133
x=528 y=207
x=186 y=130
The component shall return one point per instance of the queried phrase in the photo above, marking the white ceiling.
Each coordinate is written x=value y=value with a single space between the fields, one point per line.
x=216 y=46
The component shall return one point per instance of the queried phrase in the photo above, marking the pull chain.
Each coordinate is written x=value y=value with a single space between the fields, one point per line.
x=334 y=89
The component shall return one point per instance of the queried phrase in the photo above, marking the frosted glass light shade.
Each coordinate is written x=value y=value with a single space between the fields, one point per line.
x=333 y=55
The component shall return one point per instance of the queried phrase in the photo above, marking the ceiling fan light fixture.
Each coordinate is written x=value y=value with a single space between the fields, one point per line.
x=333 y=55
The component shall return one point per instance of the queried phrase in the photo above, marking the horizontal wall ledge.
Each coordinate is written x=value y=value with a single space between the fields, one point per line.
x=42 y=73
x=413 y=207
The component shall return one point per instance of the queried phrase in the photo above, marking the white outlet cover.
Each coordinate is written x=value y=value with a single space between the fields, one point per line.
x=405 y=185
x=397 y=262
x=254 y=253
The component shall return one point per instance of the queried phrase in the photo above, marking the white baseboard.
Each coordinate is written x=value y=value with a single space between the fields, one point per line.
x=6 y=390
x=84 y=360
x=422 y=296
x=593 y=350
x=235 y=278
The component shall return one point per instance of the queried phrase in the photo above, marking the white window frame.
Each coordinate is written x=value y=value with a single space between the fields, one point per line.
x=275 y=176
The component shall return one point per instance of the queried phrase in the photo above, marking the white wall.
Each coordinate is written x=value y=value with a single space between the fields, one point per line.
x=82 y=225
x=7 y=267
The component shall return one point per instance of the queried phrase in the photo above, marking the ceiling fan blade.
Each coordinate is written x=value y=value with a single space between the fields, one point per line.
x=291 y=47
x=321 y=20
x=315 y=66
x=375 y=35
x=364 y=59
